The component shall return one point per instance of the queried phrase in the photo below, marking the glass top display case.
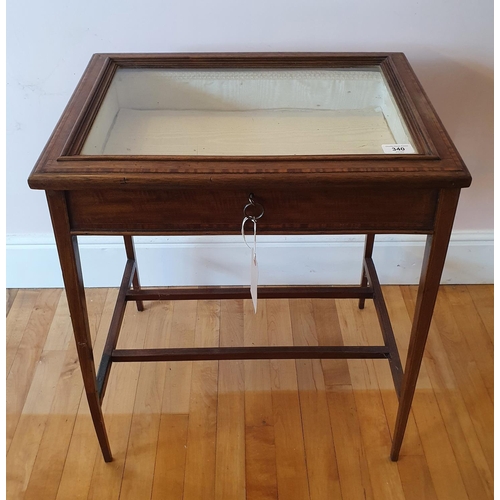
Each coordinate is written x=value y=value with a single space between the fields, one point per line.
x=191 y=144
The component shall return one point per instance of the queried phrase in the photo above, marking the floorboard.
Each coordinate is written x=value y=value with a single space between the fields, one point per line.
x=257 y=429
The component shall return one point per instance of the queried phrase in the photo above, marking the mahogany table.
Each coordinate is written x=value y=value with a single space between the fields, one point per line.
x=323 y=143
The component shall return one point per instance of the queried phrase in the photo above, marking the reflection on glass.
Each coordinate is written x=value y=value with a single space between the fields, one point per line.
x=246 y=113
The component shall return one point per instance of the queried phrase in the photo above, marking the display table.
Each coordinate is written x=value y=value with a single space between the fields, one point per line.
x=177 y=144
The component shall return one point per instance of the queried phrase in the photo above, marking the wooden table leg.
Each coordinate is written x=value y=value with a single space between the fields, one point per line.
x=67 y=247
x=434 y=258
x=129 y=248
x=370 y=239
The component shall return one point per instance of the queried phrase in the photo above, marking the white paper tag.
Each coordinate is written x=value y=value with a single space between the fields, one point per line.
x=398 y=149
x=254 y=268
x=254 y=279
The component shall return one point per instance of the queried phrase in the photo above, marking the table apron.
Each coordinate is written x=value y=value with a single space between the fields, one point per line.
x=287 y=211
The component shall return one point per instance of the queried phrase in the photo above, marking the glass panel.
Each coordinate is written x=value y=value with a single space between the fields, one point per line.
x=248 y=113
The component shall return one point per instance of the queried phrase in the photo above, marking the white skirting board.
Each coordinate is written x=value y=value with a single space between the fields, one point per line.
x=224 y=260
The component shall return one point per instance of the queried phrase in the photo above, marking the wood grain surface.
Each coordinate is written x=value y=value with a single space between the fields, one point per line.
x=282 y=429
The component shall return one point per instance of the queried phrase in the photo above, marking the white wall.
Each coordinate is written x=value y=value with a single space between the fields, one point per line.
x=448 y=42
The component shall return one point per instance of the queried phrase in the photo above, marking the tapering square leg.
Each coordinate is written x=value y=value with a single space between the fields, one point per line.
x=370 y=239
x=432 y=268
x=130 y=249
x=69 y=256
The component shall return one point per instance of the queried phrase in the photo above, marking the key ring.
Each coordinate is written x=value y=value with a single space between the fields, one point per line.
x=253 y=204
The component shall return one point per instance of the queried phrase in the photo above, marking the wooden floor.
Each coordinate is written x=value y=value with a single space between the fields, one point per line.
x=292 y=430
